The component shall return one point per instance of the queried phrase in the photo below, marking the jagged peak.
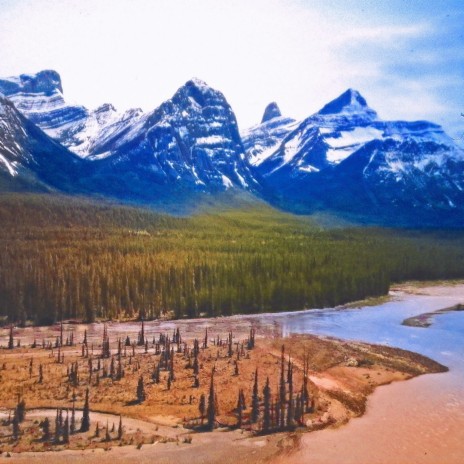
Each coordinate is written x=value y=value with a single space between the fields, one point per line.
x=197 y=91
x=272 y=111
x=47 y=81
x=104 y=108
x=350 y=101
x=197 y=82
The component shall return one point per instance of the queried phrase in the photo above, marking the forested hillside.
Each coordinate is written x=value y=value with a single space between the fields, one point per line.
x=71 y=258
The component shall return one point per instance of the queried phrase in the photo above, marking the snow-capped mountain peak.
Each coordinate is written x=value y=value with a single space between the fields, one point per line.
x=40 y=98
x=46 y=82
x=350 y=101
x=191 y=140
x=272 y=111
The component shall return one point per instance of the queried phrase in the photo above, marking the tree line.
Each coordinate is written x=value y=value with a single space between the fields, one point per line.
x=66 y=258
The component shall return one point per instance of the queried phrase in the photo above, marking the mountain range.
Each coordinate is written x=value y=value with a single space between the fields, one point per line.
x=343 y=159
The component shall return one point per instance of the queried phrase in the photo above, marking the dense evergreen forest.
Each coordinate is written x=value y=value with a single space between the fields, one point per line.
x=64 y=258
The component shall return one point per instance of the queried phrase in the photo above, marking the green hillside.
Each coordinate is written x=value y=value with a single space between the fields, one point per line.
x=65 y=258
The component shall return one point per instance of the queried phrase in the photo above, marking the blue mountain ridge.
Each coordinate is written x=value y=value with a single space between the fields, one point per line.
x=342 y=159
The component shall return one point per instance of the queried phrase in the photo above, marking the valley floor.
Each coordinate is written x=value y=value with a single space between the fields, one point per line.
x=342 y=375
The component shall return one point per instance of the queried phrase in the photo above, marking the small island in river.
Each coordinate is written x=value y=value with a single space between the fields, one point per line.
x=426 y=319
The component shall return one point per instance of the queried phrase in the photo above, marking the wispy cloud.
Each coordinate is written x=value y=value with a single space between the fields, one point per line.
x=136 y=53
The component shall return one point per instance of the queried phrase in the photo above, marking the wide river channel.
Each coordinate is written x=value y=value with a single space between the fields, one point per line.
x=417 y=421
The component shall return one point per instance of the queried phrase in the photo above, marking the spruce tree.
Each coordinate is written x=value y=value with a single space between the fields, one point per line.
x=16 y=429
x=45 y=425
x=85 y=423
x=10 y=339
x=140 y=390
x=211 y=411
x=196 y=368
x=291 y=406
x=72 y=426
x=120 y=430
x=40 y=374
x=107 y=432
x=202 y=407
x=58 y=425
x=21 y=410
x=282 y=390
x=240 y=408
x=267 y=407
x=255 y=401
x=66 y=429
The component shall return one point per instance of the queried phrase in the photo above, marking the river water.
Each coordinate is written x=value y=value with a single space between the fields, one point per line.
x=418 y=421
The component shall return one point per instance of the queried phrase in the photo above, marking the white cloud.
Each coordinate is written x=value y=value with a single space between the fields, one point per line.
x=138 y=52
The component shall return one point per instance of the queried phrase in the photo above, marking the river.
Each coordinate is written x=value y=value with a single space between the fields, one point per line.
x=418 y=421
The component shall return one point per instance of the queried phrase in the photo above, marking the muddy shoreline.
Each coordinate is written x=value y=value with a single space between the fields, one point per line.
x=344 y=375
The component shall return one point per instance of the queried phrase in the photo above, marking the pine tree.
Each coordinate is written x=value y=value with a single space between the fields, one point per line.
x=40 y=374
x=120 y=430
x=240 y=408
x=66 y=429
x=45 y=425
x=171 y=366
x=85 y=423
x=10 y=339
x=72 y=426
x=107 y=432
x=16 y=429
x=196 y=367
x=141 y=335
x=304 y=389
x=243 y=398
x=21 y=410
x=230 y=351
x=202 y=407
x=291 y=406
x=112 y=367
x=277 y=411
x=58 y=425
x=267 y=407
x=140 y=391
x=282 y=392
x=211 y=411
x=255 y=401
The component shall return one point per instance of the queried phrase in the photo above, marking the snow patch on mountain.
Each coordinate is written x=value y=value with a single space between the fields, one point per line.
x=343 y=144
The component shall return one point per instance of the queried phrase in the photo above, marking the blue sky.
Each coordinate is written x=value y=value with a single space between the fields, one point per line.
x=405 y=57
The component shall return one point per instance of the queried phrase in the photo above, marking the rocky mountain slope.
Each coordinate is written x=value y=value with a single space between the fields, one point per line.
x=29 y=159
x=346 y=159
x=343 y=159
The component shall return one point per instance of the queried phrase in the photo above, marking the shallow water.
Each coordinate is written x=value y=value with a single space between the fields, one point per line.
x=418 y=421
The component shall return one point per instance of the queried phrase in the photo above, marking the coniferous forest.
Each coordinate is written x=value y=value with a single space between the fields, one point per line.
x=68 y=258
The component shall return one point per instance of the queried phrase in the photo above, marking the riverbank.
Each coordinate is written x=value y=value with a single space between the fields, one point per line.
x=414 y=422
x=341 y=377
